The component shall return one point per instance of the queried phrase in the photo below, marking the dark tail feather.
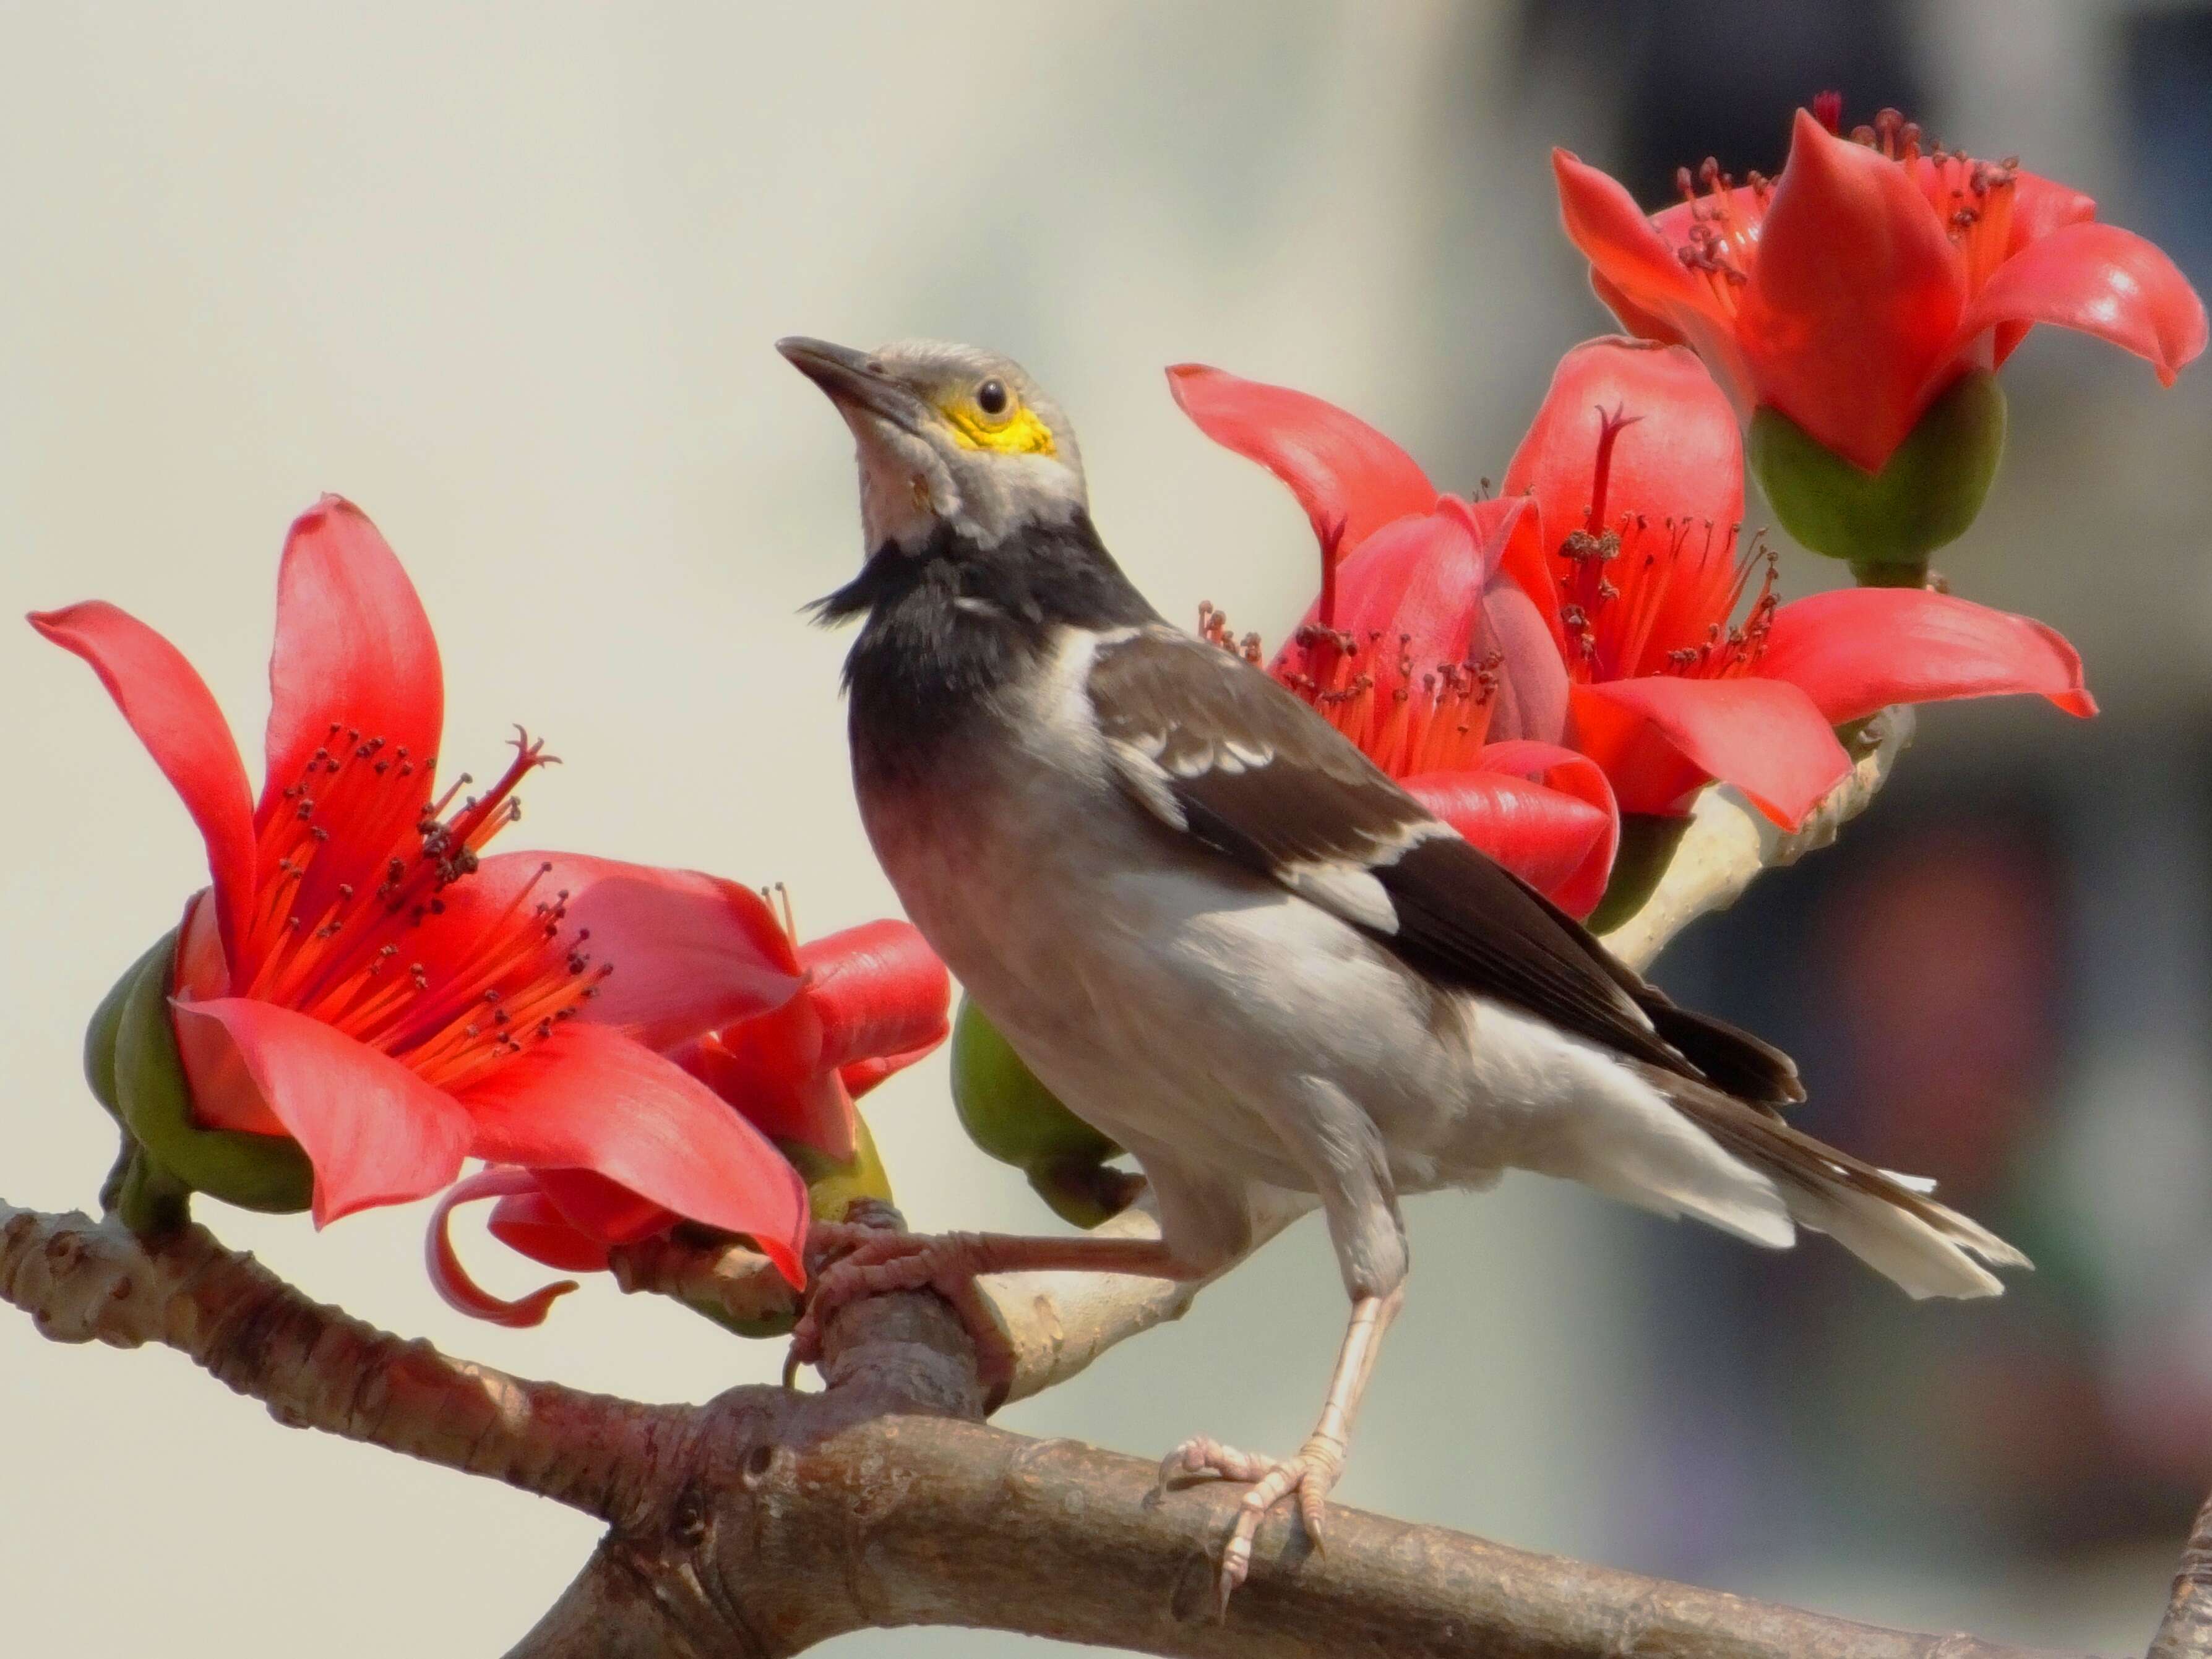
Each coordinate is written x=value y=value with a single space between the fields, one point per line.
x=1733 y=1062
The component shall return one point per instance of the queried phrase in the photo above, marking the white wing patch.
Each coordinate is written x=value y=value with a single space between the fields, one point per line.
x=1352 y=894
x=1147 y=780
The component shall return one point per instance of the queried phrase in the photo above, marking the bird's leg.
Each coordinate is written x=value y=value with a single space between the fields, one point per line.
x=1319 y=1461
x=880 y=1263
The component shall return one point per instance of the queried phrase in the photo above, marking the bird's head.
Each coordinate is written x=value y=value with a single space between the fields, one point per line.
x=948 y=436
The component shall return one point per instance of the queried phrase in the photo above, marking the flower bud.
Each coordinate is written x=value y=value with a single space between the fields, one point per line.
x=1887 y=524
x=1016 y=1120
x=132 y=1064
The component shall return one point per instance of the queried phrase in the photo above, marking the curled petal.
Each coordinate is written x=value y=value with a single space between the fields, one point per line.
x=589 y=1097
x=2101 y=280
x=375 y=1132
x=1545 y=814
x=690 y=952
x=452 y=1281
x=876 y=988
x=354 y=652
x=1660 y=738
x=167 y=704
x=1350 y=480
x=1862 y=649
x=1851 y=307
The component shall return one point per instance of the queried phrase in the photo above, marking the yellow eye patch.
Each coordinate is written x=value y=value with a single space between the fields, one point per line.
x=1017 y=431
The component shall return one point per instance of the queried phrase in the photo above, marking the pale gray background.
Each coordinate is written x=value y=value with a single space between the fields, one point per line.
x=508 y=277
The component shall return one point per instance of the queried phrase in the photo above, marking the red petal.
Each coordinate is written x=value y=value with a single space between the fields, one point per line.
x=1644 y=325
x=1350 y=480
x=169 y=706
x=769 y=1069
x=1531 y=701
x=1624 y=247
x=2102 y=281
x=1656 y=737
x=352 y=650
x=532 y=1224
x=1679 y=461
x=605 y=1212
x=1545 y=814
x=451 y=1280
x=690 y=952
x=1526 y=562
x=1418 y=581
x=375 y=1132
x=862 y=1075
x=589 y=1097
x=1849 y=315
x=878 y=988
x=1862 y=649
x=2039 y=207
x=1636 y=269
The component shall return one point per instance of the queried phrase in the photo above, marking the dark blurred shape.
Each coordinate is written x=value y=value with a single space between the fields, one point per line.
x=2166 y=59
x=1695 y=78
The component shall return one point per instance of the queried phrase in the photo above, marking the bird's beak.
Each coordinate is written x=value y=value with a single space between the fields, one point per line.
x=854 y=380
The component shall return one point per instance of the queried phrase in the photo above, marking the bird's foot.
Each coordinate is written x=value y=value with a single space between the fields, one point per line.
x=880 y=1263
x=1310 y=1475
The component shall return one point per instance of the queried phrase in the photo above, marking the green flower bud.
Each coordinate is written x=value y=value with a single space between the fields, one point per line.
x=1887 y=524
x=130 y=1051
x=1016 y=1120
x=100 y=1033
x=1083 y=1193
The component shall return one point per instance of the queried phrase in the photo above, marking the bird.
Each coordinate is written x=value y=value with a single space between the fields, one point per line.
x=1228 y=941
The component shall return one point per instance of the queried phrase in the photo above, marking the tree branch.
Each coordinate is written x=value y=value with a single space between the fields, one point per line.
x=314 y=1366
x=768 y=1521
x=895 y=1521
x=2186 y=1631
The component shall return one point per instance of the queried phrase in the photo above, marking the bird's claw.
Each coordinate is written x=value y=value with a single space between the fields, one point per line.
x=880 y=1263
x=1309 y=1476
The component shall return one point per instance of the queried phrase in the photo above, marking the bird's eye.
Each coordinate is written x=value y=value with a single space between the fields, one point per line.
x=991 y=398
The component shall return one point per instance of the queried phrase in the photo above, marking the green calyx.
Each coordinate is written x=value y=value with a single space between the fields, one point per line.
x=832 y=1188
x=1886 y=524
x=1016 y=1119
x=1648 y=845
x=132 y=1062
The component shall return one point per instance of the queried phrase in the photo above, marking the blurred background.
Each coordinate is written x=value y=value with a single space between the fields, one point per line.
x=508 y=278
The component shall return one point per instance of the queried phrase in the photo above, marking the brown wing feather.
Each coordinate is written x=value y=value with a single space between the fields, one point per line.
x=1247 y=770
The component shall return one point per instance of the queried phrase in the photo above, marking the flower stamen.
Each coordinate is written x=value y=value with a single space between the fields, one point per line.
x=520 y=973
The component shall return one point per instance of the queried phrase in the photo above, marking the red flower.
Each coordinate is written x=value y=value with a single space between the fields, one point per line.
x=359 y=976
x=872 y=1001
x=1635 y=469
x=1849 y=292
x=1420 y=647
